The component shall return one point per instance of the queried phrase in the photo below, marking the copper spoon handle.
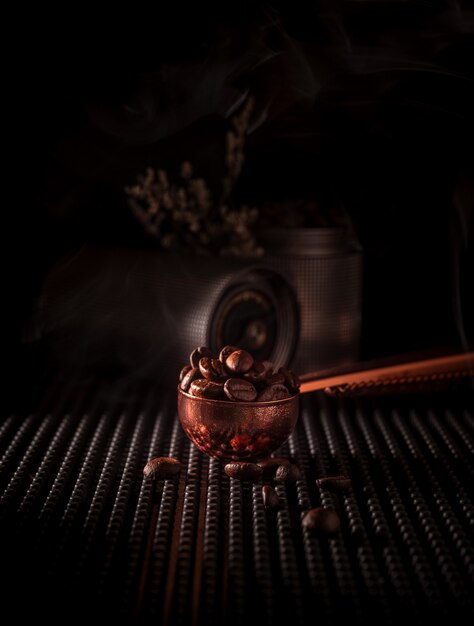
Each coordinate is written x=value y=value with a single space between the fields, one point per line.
x=453 y=363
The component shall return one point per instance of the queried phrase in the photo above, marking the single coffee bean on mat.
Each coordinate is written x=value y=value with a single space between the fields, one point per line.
x=162 y=467
x=287 y=473
x=322 y=520
x=334 y=483
x=271 y=464
x=243 y=470
x=270 y=497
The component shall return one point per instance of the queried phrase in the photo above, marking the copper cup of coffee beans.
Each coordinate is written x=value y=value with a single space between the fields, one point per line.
x=235 y=407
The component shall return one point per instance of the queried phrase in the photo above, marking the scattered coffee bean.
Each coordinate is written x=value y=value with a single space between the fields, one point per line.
x=322 y=520
x=184 y=371
x=162 y=467
x=212 y=369
x=239 y=362
x=198 y=354
x=239 y=390
x=243 y=471
x=225 y=352
x=334 y=483
x=272 y=393
x=270 y=497
x=270 y=465
x=188 y=378
x=287 y=473
x=203 y=388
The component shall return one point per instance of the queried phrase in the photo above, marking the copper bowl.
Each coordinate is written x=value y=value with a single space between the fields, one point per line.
x=237 y=431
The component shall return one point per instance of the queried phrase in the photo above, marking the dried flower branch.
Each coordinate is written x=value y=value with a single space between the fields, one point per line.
x=183 y=215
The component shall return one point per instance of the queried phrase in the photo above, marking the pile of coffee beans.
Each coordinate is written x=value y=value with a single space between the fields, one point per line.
x=236 y=376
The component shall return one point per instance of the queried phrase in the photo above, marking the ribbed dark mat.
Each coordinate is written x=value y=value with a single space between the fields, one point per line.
x=84 y=536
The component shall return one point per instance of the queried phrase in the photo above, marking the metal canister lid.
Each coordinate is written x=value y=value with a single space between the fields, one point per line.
x=311 y=242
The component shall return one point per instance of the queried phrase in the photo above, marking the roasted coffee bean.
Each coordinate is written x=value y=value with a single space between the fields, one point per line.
x=184 y=371
x=257 y=373
x=275 y=379
x=162 y=467
x=188 y=378
x=212 y=369
x=287 y=473
x=239 y=362
x=334 y=483
x=243 y=471
x=203 y=388
x=225 y=352
x=323 y=520
x=198 y=354
x=292 y=382
x=270 y=465
x=274 y=392
x=239 y=390
x=268 y=365
x=270 y=497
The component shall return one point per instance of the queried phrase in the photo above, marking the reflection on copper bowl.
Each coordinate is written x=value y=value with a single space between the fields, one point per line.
x=237 y=431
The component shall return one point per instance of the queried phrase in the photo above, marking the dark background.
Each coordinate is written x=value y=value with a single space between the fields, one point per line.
x=368 y=107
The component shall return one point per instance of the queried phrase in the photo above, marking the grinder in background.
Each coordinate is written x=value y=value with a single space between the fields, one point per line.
x=138 y=312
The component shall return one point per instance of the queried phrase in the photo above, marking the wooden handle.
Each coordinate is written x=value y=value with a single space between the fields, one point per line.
x=316 y=381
